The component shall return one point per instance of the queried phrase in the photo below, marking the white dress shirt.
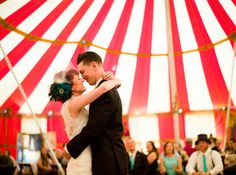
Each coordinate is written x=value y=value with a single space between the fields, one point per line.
x=213 y=161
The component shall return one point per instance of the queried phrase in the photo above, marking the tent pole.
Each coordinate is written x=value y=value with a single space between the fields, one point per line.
x=171 y=58
x=233 y=37
x=31 y=110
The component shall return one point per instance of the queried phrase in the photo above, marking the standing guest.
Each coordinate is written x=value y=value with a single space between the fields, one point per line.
x=152 y=158
x=170 y=162
x=204 y=161
x=137 y=160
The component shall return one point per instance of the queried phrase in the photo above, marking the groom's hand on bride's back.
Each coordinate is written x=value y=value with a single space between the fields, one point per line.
x=66 y=155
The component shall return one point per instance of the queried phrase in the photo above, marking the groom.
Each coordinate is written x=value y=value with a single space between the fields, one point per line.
x=104 y=128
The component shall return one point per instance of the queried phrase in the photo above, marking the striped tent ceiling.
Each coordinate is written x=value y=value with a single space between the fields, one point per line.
x=42 y=37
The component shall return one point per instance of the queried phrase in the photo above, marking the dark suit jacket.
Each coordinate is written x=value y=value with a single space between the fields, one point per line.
x=140 y=164
x=103 y=132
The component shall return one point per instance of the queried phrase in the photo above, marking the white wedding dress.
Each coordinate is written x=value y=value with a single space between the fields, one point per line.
x=82 y=165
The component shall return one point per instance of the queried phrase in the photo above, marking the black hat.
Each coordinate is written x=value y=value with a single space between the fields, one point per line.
x=202 y=137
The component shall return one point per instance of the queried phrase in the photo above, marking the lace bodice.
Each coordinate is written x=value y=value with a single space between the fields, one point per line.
x=73 y=125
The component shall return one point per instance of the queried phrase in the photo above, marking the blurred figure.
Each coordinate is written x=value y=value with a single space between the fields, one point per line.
x=45 y=163
x=204 y=161
x=189 y=146
x=137 y=160
x=183 y=154
x=7 y=153
x=7 y=166
x=230 y=164
x=170 y=162
x=152 y=158
x=230 y=147
x=217 y=146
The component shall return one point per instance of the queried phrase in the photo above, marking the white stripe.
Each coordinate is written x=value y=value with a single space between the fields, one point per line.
x=225 y=58
x=197 y=90
x=107 y=30
x=127 y=64
x=184 y=26
x=132 y=38
x=9 y=7
x=229 y=8
x=211 y=24
x=159 y=90
x=34 y=54
x=86 y=20
x=125 y=72
x=139 y=130
x=158 y=94
x=13 y=39
x=198 y=123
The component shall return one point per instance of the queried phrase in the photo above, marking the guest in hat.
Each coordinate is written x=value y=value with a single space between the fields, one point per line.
x=204 y=161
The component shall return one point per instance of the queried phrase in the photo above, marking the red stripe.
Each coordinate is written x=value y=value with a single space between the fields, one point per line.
x=20 y=15
x=111 y=59
x=214 y=78
x=139 y=96
x=225 y=21
x=1 y=1
x=166 y=124
x=30 y=82
x=234 y=1
x=220 y=124
x=90 y=34
x=182 y=96
x=25 y=45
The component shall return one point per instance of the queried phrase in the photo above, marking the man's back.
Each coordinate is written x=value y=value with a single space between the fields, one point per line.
x=109 y=155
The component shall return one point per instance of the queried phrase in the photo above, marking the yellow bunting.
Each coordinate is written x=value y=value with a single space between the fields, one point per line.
x=86 y=43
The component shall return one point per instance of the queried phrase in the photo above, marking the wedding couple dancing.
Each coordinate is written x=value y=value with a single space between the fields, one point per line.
x=95 y=142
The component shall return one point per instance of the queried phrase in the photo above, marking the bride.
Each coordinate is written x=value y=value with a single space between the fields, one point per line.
x=68 y=88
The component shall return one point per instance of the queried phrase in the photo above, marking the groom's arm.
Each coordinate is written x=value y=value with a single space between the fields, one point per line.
x=103 y=109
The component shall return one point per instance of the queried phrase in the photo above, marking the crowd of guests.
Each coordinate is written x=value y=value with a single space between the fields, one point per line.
x=204 y=157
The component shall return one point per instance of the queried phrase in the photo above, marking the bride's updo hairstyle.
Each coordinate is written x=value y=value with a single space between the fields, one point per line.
x=60 y=90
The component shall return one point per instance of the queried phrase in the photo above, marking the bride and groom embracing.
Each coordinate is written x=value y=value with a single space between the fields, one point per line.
x=95 y=142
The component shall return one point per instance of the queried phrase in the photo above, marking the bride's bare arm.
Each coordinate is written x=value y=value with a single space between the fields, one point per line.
x=78 y=102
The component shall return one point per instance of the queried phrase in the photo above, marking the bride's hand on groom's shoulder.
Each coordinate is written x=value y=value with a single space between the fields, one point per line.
x=108 y=75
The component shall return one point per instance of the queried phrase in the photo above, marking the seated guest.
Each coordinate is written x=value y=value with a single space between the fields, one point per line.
x=152 y=158
x=137 y=160
x=45 y=163
x=170 y=162
x=7 y=153
x=204 y=161
x=230 y=164
x=6 y=165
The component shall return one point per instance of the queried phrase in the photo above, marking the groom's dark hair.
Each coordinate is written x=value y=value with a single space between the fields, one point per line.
x=88 y=57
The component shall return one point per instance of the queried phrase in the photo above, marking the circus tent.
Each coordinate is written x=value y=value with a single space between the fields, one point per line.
x=150 y=47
